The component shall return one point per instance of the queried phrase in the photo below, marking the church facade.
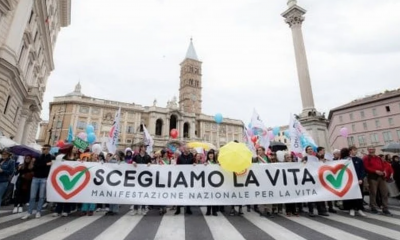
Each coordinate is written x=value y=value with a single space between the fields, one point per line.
x=184 y=114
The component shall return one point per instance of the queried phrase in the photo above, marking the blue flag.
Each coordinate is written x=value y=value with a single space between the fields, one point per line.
x=70 y=134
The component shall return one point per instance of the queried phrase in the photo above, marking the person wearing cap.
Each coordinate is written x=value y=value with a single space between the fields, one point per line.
x=41 y=170
x=7 y=168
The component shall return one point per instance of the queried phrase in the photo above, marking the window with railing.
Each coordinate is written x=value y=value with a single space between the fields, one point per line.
x=350 y=141
x=351 y=116
x=390 y=120
x=365 y=126
x=374 y=112
x=362 y=114
x=387 y=137
x=361 y=141
x=398 y=135
x=377 y=124
x=374 y=138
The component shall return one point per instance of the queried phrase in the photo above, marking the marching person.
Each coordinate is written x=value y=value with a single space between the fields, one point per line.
x=185 y=158
x=211 y=160
x=117 y=158
x=354 y=204
x=23 y=184
x=64 y=209
x=162 y=159
x=7 y=168
x=41 y=170
x=290 y=207
x=375 y=168
x=266 y=210
x=141 y=158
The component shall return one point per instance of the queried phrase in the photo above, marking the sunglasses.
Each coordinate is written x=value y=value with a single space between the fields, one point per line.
x=45 y=149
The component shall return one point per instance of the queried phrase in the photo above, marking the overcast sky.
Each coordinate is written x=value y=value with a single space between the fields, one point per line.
x=130 y=51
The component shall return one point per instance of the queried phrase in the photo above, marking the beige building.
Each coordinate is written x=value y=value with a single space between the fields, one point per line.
x=184 y=114
x=28 y=33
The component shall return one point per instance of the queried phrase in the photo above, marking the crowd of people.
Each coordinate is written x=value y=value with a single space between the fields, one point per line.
x=373 y=171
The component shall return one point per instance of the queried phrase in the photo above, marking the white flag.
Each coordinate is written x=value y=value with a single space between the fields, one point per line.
x=294 y=133
x=262 y=132
x=112 y=142
x=297 y=133
x=148 y=140
x=248 y=142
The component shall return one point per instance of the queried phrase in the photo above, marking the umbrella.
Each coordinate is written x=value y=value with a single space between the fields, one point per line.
x=235 y=157
x=23 y=150
x=277 y=146
x=5 y=142
x=206 y=146
x=393 y=147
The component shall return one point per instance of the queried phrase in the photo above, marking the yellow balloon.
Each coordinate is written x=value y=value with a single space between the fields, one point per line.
x=235 y=157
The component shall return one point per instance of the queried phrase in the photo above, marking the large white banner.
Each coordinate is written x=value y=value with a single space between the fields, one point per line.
x=201 y=185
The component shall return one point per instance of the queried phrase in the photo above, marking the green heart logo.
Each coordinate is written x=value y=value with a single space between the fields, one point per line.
x=69 y=181
x=336 y=183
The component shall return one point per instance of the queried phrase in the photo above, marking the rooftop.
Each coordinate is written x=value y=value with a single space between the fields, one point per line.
x=368 y=99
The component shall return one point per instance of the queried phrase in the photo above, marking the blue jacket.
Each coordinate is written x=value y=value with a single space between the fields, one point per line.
x=359 y=167
x=8 y=168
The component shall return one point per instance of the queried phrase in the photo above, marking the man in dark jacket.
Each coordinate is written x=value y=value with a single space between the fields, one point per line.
x=141 y=158
x=186 y=158
x=375 y=168
x=41 y=170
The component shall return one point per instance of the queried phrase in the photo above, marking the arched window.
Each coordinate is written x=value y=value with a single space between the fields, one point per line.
x=159 y=125
x=172 y=122
x=186 y=128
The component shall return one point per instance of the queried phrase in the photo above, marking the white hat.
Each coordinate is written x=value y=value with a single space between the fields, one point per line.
x=336 y=151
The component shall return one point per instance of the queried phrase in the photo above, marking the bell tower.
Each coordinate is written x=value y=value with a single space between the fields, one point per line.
x=190 y=82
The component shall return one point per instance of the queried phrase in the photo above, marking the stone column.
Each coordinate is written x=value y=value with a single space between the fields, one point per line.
x=24 y=115
x=180 y=128
x=294 y=17
x=165 y=131
x=27 y=130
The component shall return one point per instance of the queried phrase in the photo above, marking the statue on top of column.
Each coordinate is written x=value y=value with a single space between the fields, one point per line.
x=291 y=3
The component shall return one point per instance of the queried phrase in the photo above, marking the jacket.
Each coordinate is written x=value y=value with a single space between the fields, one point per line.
x=8 y=168
x=185 y=159
x=373 y=163
x=359 y=167
x=40 y=167
x=146 y=159
x=388 y=170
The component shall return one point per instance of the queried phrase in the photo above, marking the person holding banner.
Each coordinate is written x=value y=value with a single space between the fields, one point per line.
x=265 y=210
x=186 y=158
x=354 y=204
x=141 y=158
x=117 y=158
x=321 y=157
x=290 y=207
x=211 y=160
x=375 y=169
x=64 y=209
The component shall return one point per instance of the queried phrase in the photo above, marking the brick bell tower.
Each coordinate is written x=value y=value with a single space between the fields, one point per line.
x=190 y=82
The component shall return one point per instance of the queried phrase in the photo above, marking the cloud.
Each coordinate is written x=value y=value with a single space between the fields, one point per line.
x=131 y=52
